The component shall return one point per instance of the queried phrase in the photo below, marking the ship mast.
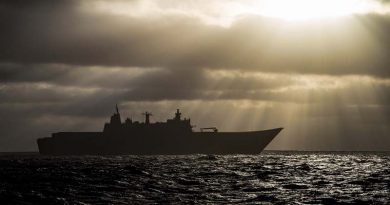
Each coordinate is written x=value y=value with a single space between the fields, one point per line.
x=177 y=115
x=147 y=117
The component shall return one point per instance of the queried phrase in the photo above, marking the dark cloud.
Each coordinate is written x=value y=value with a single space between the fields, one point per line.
x=66 y=84
x=68 y=34
x=31 y=73
x=70 y=75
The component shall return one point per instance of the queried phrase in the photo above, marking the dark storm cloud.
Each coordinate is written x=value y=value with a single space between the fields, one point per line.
x=64 y=32
x=60 y=83
x=31 y=72
x=70 y=75
x=81 y=85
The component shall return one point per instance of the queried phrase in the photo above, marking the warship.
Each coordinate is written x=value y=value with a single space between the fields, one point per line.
x=173 y=137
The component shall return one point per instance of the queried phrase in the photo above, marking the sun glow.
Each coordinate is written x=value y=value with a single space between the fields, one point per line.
x=224 y=13
x=314 y=9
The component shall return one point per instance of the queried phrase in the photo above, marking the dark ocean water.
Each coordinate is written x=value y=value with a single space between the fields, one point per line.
x=270 y=178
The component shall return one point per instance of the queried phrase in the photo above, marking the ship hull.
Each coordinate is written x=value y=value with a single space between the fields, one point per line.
x=100 y=143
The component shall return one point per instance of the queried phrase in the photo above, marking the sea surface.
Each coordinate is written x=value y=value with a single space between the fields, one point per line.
x=269 y=178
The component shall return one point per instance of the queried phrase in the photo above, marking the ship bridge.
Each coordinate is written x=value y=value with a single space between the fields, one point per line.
x=174 y=124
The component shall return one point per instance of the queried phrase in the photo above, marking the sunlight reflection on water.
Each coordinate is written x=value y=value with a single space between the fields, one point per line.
x=273 y=177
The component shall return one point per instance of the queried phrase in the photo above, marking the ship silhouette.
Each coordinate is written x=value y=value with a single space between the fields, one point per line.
x=173 y=137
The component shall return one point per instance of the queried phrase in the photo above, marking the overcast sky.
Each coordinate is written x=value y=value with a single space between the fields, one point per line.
x=237 y=65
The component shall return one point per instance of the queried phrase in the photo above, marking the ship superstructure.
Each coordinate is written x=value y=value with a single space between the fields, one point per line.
x=129 y=126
